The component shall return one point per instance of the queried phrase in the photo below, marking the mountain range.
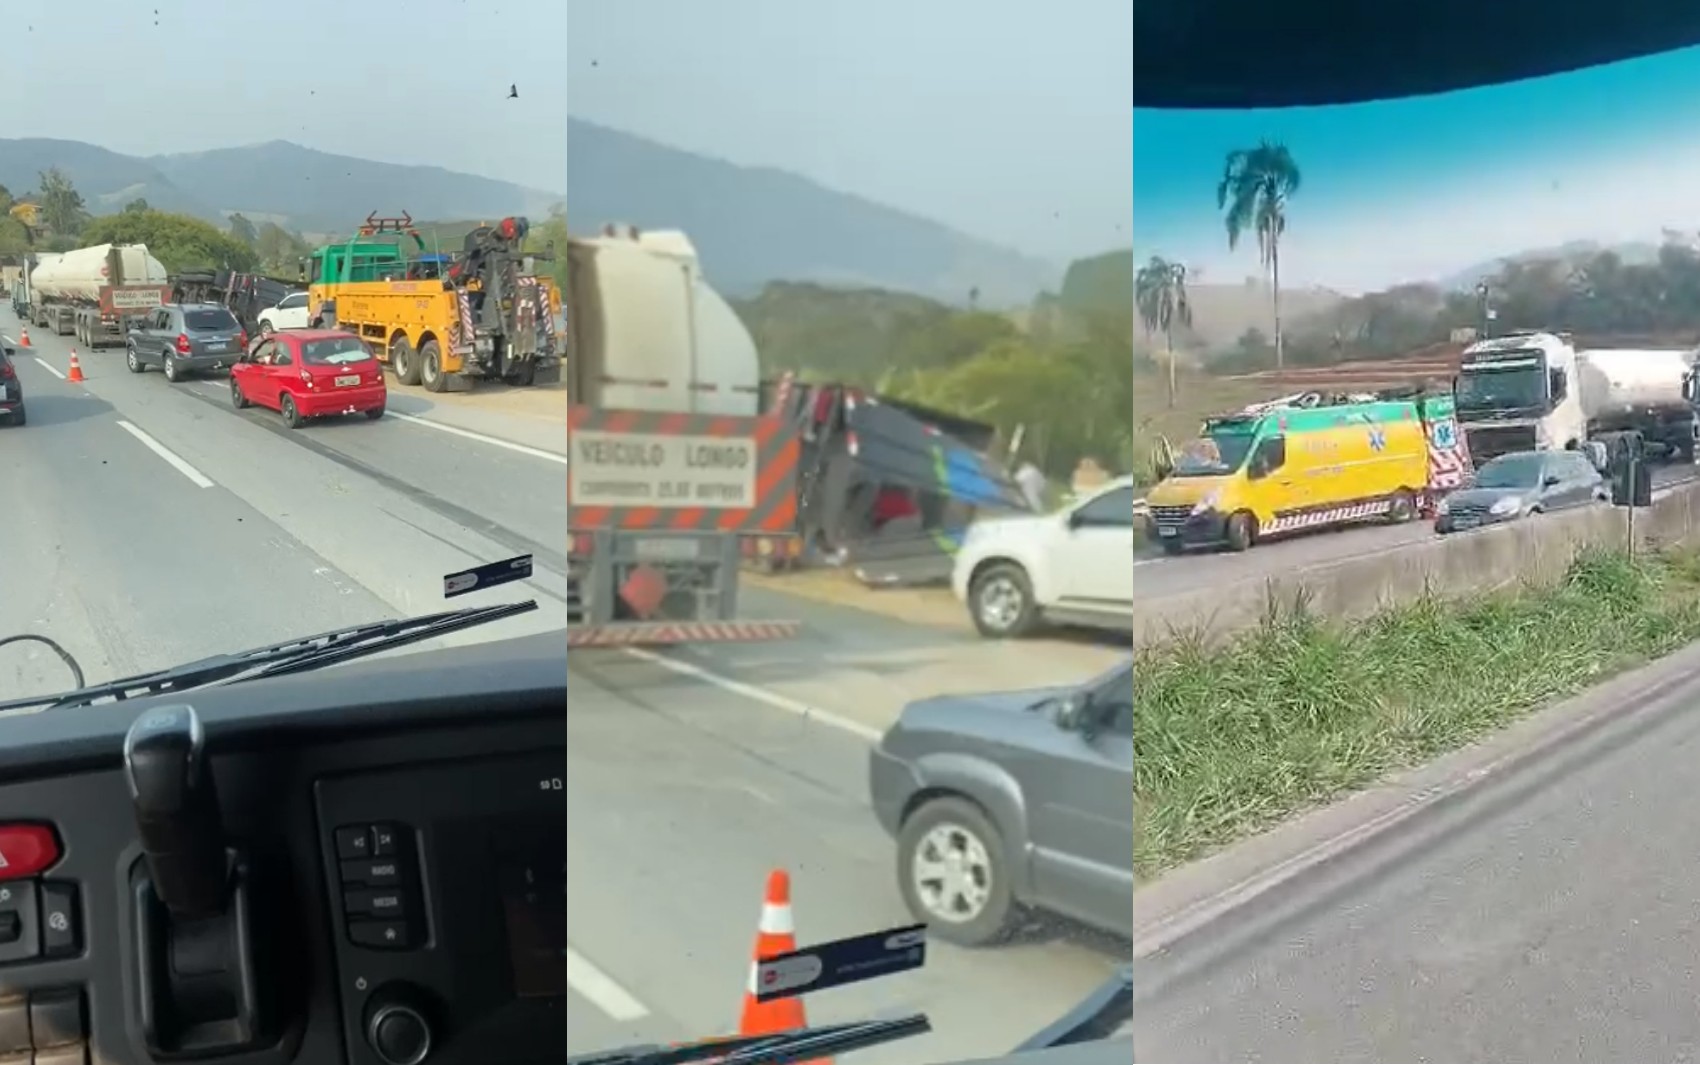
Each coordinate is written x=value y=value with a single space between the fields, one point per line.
x=752 y=225
x=299 y=188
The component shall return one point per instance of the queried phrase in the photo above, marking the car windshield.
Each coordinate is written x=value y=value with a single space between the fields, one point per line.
x=339 y=351
x=1213 y=455
x=1512 y=471
x=209 y=321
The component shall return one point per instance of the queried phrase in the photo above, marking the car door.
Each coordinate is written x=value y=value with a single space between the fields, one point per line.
x=281 y=373
x=1079 y=791
x=292 y=311
x=1569 y=487
x=1093 y=561
x=251 y=373
x=152 y=348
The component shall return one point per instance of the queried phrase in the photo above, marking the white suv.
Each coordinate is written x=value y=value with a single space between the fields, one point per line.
x=291 y=313
x=1074 y=566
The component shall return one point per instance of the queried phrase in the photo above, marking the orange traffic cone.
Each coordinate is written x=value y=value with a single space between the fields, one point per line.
x=776 y=935
x=24 y=338
x=76 y=373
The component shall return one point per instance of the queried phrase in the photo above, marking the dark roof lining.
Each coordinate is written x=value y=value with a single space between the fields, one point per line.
x=1237 y=54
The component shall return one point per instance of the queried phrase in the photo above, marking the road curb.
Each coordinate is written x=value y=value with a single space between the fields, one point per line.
x=1186 y=901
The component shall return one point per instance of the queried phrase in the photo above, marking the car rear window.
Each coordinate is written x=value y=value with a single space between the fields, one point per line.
x=210 y=320
x=338 y=351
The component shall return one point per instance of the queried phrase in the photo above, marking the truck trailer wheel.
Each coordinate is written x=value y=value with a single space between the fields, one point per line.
x=404 y=361
x=1402 y=507
x=431 y=367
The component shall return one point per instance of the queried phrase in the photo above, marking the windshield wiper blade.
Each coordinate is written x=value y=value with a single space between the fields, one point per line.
x=291 y=656
x=784 y=1048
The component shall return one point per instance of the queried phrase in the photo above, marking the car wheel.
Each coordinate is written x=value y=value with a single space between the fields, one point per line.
x=1242 y=531
x=170 y=368
x=954 y=876
x=1000 y=600
x=291 y=413
x=237 y=399
x=131 y=360
x=375 y=413
x=18 y=415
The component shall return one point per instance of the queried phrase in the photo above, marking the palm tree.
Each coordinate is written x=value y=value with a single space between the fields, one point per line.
x=1159 y=291
x=1253 y=193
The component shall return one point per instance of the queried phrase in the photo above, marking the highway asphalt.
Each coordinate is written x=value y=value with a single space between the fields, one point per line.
x=151 y=523
x=1157 y=576
x=684 y=793
x=1551 y=912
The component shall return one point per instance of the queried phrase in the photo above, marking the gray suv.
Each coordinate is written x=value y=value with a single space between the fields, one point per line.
x=184 y=339
x=1005 y=802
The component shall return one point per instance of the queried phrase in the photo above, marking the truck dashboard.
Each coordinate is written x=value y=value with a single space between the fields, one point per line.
x=360 y=865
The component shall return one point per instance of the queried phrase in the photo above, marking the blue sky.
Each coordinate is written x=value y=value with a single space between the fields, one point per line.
x=1417 y=189
x=1006 y=119
x=312 y=71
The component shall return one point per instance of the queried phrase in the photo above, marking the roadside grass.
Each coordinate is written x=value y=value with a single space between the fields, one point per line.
x=1232 y=737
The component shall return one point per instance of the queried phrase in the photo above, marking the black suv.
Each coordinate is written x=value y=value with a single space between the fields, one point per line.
x=1012 y=800
x=185 y=338
x=11 y=387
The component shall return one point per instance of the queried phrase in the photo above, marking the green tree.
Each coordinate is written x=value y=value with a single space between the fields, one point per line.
x=1159 y=293
x=61 y=204
x=243 y=230
x=180 y=242
x=279 y=251
x=136 y=205
x=6 y=199
x=1256 y=185
x=14 y=236
x=549 y=237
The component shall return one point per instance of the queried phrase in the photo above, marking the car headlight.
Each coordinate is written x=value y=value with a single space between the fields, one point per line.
x=1508 y=505
x=1209 y=501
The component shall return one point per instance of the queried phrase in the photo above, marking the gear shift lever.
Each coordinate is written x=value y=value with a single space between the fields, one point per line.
x=177 y=815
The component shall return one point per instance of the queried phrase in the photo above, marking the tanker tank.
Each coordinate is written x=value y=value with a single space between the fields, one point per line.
x=1621 y=385
x=78 y=276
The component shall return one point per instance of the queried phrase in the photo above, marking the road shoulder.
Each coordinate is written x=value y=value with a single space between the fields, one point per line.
x=1189 y=899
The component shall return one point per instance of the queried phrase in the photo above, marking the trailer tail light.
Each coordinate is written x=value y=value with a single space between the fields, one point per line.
x=183 y=344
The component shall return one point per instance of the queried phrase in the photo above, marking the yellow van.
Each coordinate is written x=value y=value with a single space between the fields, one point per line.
x=1273 y=471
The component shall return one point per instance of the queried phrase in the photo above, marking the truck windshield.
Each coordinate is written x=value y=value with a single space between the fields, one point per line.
x=1213 y=454
x=1513 y=384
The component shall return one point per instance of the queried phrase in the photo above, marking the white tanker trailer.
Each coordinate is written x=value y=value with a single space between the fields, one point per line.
x=96 y=292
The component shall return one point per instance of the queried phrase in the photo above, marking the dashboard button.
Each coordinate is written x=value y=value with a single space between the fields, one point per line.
x=19 y=901
x=11 y=928
x=353 y=842
x=388 y=904
x=381 y=935
x=26 y=850
x=377 y=872
x=384 y=841
x=57 y=1018
x=59 y=925
x=14 y=1026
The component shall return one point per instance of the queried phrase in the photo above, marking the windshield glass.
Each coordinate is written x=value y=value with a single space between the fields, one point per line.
x=420 y=475
x=1510 y=388
x=940 y=387
x=336 y=352
x=209 y=320
x=1511 y=471
x=1213 y=455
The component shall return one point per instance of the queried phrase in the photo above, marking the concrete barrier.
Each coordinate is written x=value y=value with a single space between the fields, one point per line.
x=1534 y=550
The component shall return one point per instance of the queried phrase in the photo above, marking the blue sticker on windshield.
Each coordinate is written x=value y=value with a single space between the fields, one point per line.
x=842 y=961
x=486 y=576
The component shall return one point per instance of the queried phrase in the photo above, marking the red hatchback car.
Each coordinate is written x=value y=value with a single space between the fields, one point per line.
x=309 y=373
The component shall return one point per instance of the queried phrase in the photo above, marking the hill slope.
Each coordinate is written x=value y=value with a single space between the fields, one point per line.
x=297 y=187
x=755 y=225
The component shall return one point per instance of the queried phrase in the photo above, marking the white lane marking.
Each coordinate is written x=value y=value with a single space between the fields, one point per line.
x=171 y=458
x=534 y=452
x=760 y=695
x=49 y=367
x=600 y=990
